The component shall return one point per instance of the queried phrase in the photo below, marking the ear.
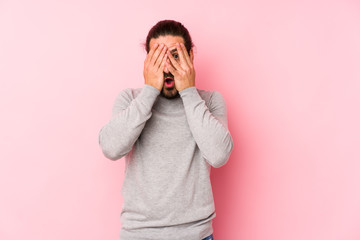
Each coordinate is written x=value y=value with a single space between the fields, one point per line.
x=191 y=55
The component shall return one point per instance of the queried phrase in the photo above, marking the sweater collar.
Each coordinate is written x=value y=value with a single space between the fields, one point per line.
x=168 y=105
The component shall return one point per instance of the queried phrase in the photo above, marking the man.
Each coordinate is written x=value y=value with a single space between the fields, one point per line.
x=170 y=133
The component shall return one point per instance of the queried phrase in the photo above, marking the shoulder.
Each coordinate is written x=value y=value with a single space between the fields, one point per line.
x=124 y=98
x=128 y=94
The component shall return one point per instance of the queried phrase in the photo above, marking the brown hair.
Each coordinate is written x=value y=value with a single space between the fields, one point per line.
x=169 y=27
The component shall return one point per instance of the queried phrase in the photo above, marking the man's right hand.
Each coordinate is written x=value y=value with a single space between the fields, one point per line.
x=154 y=66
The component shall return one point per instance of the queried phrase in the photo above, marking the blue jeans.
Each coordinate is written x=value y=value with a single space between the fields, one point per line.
x=209 y=238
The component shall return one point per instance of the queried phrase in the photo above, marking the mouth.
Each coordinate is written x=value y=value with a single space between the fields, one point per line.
x=169 y=82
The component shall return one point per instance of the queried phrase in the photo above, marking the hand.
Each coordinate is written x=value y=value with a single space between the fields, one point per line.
x=183 y=71
x=154 y=65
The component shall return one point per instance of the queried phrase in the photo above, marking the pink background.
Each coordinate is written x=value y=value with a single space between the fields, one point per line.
x=290 y=74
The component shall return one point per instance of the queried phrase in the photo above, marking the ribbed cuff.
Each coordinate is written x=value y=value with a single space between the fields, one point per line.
x=186 y=90
x=152 y=88
x=190 y=95
x=148 y=95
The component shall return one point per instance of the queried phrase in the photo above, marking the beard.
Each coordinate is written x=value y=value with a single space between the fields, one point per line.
x=169 y=92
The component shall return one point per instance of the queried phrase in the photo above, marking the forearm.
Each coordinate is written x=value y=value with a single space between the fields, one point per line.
x=210 y=132
x=118 y=136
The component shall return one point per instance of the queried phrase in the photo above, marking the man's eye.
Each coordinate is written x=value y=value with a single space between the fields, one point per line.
x=176 y=56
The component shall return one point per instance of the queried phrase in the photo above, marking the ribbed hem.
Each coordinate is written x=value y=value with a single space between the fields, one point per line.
x=191 y=233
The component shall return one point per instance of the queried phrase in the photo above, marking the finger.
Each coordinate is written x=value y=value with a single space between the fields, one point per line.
x=171 y=69
x=186 y=55
x=180 y=52
x=151 y=52
x=173 y=61
x=163 y=63
x=156 y=54
x=160 y=58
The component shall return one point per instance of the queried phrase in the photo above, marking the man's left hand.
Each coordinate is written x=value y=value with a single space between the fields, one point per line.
x=183 y=71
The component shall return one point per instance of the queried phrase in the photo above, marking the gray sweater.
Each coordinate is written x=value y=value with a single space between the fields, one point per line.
x=169 y=147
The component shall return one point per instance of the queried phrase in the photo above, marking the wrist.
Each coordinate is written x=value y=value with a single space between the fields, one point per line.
x=185 y=87
x=153 y=87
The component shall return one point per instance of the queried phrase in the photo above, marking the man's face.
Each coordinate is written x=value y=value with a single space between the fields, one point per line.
x=170 y=43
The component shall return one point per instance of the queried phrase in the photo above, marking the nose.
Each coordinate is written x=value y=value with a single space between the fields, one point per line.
x=166 y=70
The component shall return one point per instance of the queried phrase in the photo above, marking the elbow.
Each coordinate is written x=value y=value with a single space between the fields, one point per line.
x=223 y=155
x=109 y=152
x=220 y=161
x=111 y=155
x=108 y=149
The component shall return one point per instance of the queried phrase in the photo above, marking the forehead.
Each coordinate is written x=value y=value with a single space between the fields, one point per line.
x=168 y=40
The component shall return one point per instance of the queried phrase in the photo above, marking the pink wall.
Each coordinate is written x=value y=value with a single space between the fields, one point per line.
x=289 y=71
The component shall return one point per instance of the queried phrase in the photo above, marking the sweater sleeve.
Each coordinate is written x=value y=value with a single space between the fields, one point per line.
x=128 y=119
x=208 y=126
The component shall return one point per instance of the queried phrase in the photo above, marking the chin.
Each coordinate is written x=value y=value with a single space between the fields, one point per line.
x=169 y=93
